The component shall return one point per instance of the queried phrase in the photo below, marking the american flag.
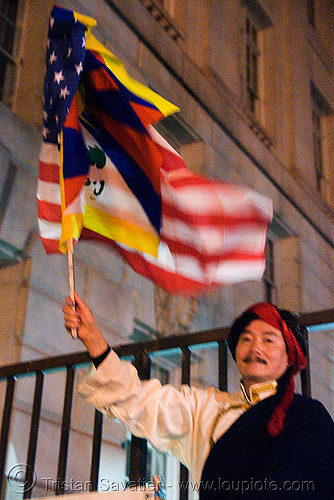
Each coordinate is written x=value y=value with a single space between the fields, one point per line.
x=106 y=170
x=64 y=64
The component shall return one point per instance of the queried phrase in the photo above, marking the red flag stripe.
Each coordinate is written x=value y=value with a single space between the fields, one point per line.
x=48 y=172
x=49 y=211
x=100 y=80
x=50 y=246
x=213 y=220
x=177 y=248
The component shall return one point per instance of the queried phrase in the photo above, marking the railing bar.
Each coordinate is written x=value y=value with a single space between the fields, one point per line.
x=5 y=427
x=185 y=363
x=65 y=431
x=138 y=449
x=185 y=379
x=222 y=366
x=45 y=364
x=96 y=452
x=34 y=426
x=174 y=341
x=317 y=317
x=305 y=375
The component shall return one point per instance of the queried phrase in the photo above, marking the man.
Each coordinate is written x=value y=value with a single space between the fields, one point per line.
x=263 y=441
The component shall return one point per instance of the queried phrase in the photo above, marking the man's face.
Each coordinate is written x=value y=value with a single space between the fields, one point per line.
x=261 y=353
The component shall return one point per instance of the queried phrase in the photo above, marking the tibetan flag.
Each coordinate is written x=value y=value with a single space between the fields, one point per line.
x=107 y=175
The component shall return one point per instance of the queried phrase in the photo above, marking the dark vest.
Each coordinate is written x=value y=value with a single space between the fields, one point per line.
x=247 y=463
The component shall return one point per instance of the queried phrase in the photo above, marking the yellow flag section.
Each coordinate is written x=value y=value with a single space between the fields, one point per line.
x=117 y=67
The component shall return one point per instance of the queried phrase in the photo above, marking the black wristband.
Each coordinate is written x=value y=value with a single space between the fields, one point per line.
x=97 y=361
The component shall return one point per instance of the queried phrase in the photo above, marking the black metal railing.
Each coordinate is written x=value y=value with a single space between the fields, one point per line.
x=141 y=353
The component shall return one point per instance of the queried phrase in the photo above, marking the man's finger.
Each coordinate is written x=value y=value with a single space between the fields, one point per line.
x=81 y=305
x=69 y=302
x=72 y=322
x=79 y=302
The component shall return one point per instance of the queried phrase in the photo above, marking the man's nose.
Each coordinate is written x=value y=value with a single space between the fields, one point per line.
x=256 y=345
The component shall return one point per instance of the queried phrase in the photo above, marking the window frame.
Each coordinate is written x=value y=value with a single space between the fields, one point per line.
x=252 y=64
x=317 y=137
x=311 y=12
x=8 y=50
x=319 y=112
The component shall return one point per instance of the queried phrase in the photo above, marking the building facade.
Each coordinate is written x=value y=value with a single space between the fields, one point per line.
x=254 y=82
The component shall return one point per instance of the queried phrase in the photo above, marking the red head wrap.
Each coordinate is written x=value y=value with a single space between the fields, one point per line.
x=268 y=313
x=296 y=360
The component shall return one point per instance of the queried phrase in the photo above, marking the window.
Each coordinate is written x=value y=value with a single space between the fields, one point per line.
x=8 y=16
x=317 y=145
x=252 y=63
x=320 y=111
x=7 y=180
x=311 y=12
x=259 y=84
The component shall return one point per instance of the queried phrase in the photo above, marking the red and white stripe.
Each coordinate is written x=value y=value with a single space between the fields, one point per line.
x=213 y=233
x=49 y=198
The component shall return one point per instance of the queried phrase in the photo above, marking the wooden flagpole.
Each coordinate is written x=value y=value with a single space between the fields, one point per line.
x=69 y=243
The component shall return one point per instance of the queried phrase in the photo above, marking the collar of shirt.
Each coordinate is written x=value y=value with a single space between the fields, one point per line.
x=236 y=403
x=259 y=391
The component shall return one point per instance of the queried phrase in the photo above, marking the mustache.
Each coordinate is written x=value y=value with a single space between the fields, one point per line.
x=249 y=359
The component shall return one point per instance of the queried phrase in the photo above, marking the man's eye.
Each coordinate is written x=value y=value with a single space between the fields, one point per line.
x=268 y=340
x=244 y=339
